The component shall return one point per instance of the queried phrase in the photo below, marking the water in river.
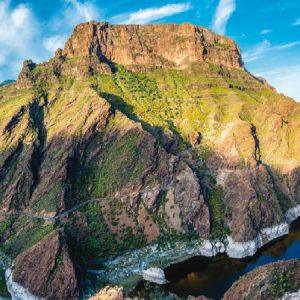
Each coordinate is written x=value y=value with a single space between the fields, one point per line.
x=212 y=277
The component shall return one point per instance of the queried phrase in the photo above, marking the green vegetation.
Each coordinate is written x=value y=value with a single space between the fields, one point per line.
x=153 y=291
x=132 y=240
x=25 y=233
x=283 y=282
x=121 y=162
x=3 y=287
x=213 y=192
x=169 y=236
x=5 y=225
x=219 y=230
x=99 y=242
x=199 y=107
x=223 y=46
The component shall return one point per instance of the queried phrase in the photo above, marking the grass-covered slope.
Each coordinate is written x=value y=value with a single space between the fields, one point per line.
x=109 y=135
x=164 y=153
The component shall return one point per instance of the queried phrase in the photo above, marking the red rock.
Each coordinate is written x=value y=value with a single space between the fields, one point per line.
x=167 y=45
x=47 y=270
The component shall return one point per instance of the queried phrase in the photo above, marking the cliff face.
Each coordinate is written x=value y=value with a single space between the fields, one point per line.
x=46 y=268
x=142 y=134
x=158 y=45
x=273 y=281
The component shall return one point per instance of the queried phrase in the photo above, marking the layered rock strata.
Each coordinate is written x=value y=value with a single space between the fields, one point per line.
x=147 y=44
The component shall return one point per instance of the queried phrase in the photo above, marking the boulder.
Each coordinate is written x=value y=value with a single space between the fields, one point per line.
x=155 y=275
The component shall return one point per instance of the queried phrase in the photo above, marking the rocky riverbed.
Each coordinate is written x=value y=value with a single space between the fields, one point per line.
x=133 y=263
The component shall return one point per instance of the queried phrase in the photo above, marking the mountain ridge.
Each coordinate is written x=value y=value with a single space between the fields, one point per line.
x=177 y=149
x=161 y=45
x=5 y=82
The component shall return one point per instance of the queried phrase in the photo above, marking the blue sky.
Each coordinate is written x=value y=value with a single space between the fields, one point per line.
x=268 y=31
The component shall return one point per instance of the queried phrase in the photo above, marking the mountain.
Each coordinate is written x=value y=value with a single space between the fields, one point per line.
x=6 y=82
x=135 y=135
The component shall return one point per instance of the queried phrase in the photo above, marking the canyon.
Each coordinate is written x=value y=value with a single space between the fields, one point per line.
x=135 y=138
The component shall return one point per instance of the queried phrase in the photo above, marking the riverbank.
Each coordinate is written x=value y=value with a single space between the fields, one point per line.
x=213 y=276
x=123 y=268
x=127 y=269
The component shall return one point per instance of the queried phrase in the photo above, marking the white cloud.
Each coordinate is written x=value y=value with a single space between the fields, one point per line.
x=257 y=52
x=22 y=36
x=18 y=38
x=222 y=15
x=284 y=79
x=266 y=31
x=263 y=48
x=54 y=42
x=287 y=46
x=297 y=22
x=77 y=12
x=144 y=16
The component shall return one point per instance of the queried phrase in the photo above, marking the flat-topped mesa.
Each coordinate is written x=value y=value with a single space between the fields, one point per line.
x=162 y=45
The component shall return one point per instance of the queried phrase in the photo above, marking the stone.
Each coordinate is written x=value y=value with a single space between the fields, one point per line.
x=155 y=275
x=159 y=45
x=109 y=293
x=291 y=296
x=257 y=283
x=45 y=271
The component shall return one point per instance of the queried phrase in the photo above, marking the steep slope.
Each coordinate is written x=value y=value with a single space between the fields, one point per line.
x=273 y=281
x=144 y=134
x=146 y=45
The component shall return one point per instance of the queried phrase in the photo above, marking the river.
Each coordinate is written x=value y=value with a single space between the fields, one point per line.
x=212 y=277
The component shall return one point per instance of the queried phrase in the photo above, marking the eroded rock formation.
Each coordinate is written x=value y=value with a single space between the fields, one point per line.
x=272 y=281
x=157 y=45
x=135 y=135
x=46 y=270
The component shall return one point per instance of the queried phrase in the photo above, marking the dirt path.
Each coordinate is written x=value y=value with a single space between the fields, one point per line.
x=49 y=218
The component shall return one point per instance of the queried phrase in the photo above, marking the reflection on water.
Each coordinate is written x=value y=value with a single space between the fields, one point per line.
x=212 y=277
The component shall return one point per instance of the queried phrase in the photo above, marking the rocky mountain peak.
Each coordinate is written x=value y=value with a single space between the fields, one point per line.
x=162 y=45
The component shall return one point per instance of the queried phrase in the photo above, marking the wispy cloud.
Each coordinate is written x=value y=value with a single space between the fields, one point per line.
x=222 y=15
x=297 y=22
x=23 y=36
x=263 y=48
x=75 y=12
x=257 y=52
x=266 y=31
x=284 y=79
x=287 y=46
x=18 y=37
x=144 y=16
x=52 y=43
x=72 y=13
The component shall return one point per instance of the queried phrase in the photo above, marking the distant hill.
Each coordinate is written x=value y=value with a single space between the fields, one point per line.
x=6 y=82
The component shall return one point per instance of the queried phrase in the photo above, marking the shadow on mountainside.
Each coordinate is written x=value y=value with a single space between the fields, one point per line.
x=169 y=143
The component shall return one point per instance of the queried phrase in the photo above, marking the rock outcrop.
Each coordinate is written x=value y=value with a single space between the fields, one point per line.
x=138 y=135
x=291 y=296
x=110 y=293
x=45 y=271
x=272 y=281
x=155 y=275
x=156 y=45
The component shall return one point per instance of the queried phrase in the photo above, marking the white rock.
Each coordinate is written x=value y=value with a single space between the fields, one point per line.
x=155 y=275
x=292 y=214
x=207 y=249
x=243 y=249
x=17 y=291
x=291 y=296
